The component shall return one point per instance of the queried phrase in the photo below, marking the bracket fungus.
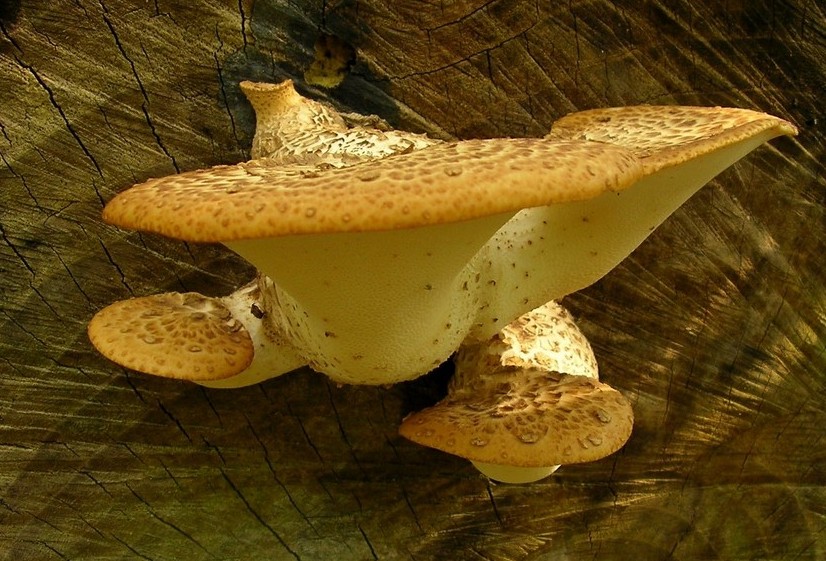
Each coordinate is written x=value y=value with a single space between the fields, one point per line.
x=525 y=401
x=381 y=253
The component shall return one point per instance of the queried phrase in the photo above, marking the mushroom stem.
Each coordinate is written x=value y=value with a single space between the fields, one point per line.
x=373 y=307
x=514 y=474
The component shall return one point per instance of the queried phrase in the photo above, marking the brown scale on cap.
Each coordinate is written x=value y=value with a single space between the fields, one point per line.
x=546 y=337
x=528 y=397
x=293 y=130
x=586 y=154
x=441 y=184
x=530 y=418
x=664 y=136
x=185 y=336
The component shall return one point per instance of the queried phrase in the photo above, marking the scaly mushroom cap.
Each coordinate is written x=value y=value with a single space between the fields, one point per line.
x=440 y=184
x=586 y=154
x=526 y=398
x=185 y=336
x=664 y=136
x=293 y=130
x=546 y=338
x=530 y=418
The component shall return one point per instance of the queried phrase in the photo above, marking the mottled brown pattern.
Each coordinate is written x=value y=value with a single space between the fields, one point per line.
x=292 y=130
x=395 y=180
x=175 y=335
x=530 y=418
x=527 y=397
x=664 y=136
x=440 y=184
x=548 y=338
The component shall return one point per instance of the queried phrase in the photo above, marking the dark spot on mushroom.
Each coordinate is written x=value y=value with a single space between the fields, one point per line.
x=257 y=312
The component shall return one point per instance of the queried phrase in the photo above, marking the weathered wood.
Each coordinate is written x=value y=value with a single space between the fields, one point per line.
x=715 y=328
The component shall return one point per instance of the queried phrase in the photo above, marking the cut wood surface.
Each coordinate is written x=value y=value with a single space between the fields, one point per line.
x=715 y=328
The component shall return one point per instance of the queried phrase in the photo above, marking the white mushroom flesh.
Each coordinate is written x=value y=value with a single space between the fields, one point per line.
x=274 y=355
x=548 y=252
x=375 y=307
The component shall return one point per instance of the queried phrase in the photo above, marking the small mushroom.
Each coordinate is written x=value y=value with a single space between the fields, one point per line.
x=292 y=130
x=174 y=335
x=217 y=342
x=525 y=402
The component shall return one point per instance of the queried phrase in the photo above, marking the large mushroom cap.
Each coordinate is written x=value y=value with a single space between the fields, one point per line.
x=530 y=419
x=436 y=185
x=186 y=336
x=586 y=154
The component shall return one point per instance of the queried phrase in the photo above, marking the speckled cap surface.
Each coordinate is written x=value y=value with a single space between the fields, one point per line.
x=665 y=135
x=531 y=419
x=440 y=184
x=586 y=154
x=186 y=336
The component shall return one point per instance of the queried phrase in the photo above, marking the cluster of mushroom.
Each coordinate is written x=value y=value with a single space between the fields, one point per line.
x=381 y=253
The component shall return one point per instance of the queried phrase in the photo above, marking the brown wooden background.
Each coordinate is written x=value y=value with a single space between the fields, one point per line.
x=715 y=328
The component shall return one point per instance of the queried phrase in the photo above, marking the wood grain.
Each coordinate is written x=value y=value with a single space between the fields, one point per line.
x=715 y=328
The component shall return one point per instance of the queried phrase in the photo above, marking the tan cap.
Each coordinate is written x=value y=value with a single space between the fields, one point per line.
x=531 y=419
x=665 y=135
x=186 y=336
x=440 y=184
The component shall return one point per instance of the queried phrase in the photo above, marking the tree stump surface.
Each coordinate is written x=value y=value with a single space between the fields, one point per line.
x=715 y=328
